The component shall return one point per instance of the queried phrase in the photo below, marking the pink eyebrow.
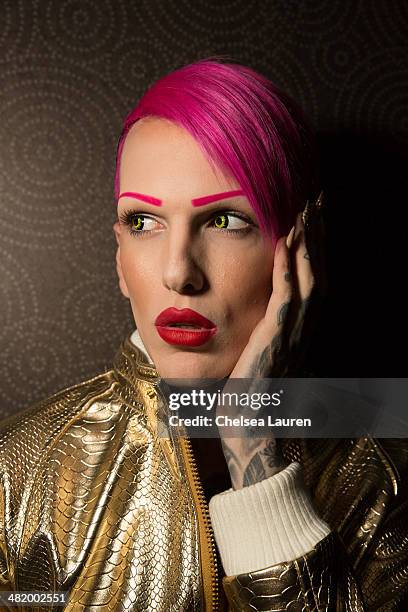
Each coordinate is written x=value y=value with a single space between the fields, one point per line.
x=140 y=196
x=195 y=202
x=216 y=197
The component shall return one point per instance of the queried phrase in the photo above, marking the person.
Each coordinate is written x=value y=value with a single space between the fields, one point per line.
x=219 y=259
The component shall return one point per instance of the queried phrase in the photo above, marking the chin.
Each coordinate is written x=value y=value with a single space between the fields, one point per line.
x=192 y=365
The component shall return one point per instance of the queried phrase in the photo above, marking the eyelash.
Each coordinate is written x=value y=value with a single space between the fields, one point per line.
x=126 y=219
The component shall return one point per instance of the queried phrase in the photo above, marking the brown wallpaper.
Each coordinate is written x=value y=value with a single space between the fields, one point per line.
x=70 y=70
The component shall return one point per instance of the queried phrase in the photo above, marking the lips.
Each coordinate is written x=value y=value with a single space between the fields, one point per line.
x=185 y=326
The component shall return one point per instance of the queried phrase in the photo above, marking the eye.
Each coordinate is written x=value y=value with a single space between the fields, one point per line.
x=138 y=223
x=230 y=222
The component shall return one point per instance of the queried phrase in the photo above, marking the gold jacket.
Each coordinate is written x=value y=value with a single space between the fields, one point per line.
x=94 y=503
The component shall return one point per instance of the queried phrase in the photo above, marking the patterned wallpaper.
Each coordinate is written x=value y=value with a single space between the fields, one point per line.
x=70 y=70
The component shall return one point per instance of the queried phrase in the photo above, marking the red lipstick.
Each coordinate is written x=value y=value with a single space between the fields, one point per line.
x=185 y=326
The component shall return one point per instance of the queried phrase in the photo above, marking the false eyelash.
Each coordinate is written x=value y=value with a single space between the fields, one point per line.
x=126 y=219
x=127 y=216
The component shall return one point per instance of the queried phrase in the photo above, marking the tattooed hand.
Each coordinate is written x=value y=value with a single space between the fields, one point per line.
x=277 y=345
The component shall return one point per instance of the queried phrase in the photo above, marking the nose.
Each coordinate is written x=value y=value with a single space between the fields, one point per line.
x=182 y=270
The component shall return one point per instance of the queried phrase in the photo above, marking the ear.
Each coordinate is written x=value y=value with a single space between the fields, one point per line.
x=122 y=282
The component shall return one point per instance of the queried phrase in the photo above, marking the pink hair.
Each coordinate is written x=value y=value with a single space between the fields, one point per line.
x=246 y=127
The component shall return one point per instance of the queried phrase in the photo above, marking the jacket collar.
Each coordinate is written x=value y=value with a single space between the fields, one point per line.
x=137 y=341
x=133 y=362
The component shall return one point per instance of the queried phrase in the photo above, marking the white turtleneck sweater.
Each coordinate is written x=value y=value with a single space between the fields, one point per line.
x=266 y=523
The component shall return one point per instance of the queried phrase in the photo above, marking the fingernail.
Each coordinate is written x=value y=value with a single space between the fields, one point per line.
x=289 y=239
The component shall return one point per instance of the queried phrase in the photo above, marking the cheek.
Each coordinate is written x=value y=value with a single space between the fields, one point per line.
x=247 y=281
x=252 y=292
x=138 y=269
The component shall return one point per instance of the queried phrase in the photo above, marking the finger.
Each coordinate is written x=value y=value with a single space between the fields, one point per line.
x=289 y=239
x=303 y=283
x=282 y=289
x=316 y=246
x=302 y=272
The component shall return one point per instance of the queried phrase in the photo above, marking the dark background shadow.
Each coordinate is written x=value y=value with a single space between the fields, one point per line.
x=363 y=328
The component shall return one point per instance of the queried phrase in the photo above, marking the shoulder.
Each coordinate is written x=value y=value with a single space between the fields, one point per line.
x=25 y=435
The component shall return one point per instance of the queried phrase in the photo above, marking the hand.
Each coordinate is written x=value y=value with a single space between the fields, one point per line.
x=277 y=344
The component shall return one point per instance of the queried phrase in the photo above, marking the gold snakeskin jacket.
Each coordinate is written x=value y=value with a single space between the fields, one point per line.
x=94 y=503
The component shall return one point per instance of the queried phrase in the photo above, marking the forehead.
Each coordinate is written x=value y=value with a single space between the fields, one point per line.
x=163 y=159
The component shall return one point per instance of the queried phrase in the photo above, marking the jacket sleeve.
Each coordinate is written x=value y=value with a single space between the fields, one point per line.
x=361 y=565
x=273 y=525
x=319 y=580
x=266 y=523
